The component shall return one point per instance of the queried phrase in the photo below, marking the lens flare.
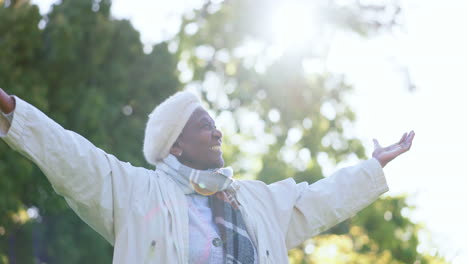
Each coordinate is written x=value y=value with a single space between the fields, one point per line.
x=199 y=189
x=292 y=23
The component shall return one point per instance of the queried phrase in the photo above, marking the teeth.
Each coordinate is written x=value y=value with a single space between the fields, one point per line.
x=215 y=148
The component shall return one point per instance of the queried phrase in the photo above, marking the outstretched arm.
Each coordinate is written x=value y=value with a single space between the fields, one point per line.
x=96 y=185
x=325 y=203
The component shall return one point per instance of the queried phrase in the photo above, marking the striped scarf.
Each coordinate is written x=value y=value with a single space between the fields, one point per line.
x=218 y=185
x=236 y=240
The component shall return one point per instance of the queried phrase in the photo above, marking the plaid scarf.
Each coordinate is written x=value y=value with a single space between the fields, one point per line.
x=217 y=184
x=236 y=241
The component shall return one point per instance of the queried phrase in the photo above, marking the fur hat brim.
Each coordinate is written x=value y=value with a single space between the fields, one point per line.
x=165 y=124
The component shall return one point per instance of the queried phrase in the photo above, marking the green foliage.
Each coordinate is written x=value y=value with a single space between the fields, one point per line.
x=88 y=72
x=256 y=87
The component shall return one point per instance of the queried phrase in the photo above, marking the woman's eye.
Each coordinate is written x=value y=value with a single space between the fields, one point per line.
x=209 y=126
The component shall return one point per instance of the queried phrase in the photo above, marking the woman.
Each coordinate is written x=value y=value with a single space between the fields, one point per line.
x=190 y=209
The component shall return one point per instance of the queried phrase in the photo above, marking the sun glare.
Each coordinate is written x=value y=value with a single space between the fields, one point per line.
x=292 y=22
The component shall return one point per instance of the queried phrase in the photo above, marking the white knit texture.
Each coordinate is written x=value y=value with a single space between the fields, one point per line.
x=165 y=124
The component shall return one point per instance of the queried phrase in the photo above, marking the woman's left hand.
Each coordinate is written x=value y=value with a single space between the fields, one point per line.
x=386 y=154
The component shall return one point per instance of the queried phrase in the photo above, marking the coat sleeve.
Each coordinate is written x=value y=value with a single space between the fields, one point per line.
x=93 y=183
x=327 y=202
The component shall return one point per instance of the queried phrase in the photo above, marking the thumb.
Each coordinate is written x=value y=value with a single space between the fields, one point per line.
x=376 y=144
x=7 y=103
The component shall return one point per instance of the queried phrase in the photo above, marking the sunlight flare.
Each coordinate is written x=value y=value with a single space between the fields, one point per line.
x=292 y=23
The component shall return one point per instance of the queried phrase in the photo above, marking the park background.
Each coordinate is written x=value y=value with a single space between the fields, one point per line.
x=299 y=89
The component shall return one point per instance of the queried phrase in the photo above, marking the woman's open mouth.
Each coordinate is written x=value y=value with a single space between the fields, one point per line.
x=216 y=148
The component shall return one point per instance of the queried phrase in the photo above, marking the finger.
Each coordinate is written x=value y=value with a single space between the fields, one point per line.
x=409 y=140
x=376 y=144
x=7 y=103
x=403 y=138
x=410 y=137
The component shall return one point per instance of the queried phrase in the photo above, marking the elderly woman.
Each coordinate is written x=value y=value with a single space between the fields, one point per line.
x=189 y=209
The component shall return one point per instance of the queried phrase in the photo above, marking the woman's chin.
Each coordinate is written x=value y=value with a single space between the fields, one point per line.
x=219 y=163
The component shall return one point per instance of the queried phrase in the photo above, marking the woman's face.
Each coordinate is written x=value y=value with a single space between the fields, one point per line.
x=199 y=144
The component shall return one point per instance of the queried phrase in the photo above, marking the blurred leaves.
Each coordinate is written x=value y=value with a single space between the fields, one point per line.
x=291 y=115
x=282 y=113
x=88 y=72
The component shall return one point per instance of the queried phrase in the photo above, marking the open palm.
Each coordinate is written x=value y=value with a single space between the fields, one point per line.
x=385 y=154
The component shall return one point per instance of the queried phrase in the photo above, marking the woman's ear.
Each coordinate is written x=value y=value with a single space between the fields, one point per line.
x=176 y=150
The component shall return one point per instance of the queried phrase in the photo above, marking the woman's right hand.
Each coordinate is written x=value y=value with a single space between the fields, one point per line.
x=7 y=103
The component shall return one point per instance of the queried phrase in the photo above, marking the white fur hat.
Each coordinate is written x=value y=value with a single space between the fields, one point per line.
x=165 y=124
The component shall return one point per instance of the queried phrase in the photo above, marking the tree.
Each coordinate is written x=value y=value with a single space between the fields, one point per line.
x=287 y=122
x=88 y=72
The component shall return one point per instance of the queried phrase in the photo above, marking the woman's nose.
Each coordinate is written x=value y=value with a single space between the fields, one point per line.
x=217 y=133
